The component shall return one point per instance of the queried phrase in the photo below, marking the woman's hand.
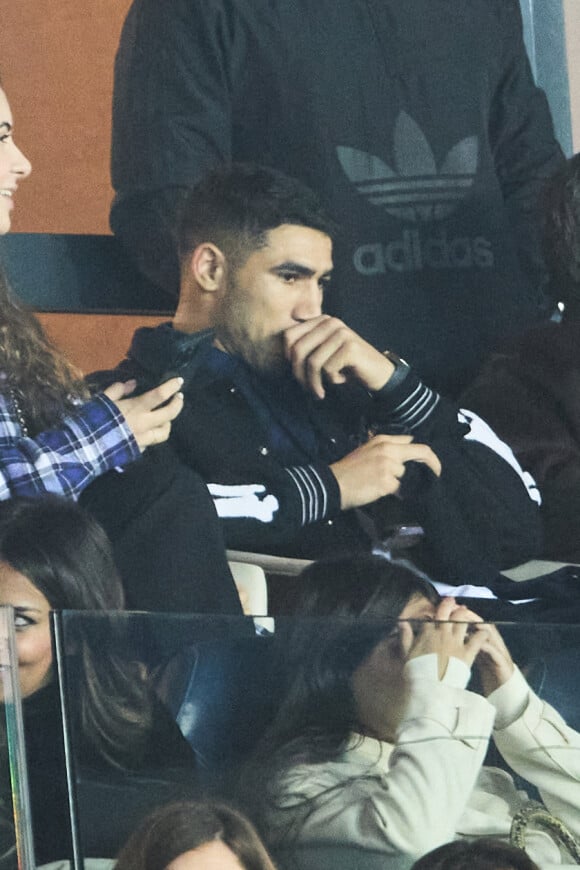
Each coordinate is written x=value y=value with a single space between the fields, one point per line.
x=453 y=633
x=494 y=662
x=149 y=423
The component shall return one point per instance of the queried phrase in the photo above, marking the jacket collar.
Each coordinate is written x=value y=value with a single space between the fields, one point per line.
x=164 y=349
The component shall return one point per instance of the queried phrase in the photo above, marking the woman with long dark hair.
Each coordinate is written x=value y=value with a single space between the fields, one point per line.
x=484 y=854
x=378 y=744
x=193 y=835
x=55 y=556
x=53 y=436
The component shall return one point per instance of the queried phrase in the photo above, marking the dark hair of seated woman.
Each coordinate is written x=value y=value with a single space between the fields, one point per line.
x=55 y=556
x=204 y=829
x=483 y=854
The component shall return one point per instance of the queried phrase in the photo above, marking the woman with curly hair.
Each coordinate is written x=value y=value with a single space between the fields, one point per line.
x=57 y=438
x=53 y=436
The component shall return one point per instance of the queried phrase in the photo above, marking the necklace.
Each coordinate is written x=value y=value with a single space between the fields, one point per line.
x=19 y=412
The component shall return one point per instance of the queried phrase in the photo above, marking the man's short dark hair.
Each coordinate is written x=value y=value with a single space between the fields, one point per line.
x=237 y=205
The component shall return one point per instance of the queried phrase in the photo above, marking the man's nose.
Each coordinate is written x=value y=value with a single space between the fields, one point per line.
x=309 y=304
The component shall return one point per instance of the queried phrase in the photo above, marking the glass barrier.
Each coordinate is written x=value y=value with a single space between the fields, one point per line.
x=16 y=843
x=165 y=707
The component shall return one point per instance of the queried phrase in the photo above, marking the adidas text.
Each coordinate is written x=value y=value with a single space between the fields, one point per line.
x=416 y=251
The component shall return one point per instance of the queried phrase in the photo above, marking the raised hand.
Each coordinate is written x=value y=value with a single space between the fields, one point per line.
x=147 y=416
x=375 y=469
x=494 y=662
x=324 y=350
x=453 y=633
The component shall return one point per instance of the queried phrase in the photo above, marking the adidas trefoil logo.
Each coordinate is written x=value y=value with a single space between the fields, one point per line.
x=416 y=190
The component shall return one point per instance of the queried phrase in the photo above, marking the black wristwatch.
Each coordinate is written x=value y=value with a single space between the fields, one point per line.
x=401 y=370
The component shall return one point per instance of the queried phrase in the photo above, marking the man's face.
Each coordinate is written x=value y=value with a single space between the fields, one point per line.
x=278 y=286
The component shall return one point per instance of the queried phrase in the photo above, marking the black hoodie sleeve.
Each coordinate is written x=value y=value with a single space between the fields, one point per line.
x=172 y=118
x=481 y=515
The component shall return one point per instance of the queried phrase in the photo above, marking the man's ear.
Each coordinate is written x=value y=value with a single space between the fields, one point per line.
x=207 y=267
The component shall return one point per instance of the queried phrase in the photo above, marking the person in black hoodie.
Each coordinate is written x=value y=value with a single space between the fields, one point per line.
x=418 y=123
x=312 y=442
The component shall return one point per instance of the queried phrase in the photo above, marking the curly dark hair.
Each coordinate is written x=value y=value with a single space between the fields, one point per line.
x=44 y=383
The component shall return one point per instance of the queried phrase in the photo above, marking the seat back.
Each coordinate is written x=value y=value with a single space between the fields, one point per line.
x=67 y=272
x=223 y=694
x=86 y=292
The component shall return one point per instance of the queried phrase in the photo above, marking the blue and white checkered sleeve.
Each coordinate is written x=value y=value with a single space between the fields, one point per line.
x=66 y=459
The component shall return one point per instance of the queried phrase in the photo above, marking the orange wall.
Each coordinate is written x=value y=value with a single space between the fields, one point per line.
x=56 y=61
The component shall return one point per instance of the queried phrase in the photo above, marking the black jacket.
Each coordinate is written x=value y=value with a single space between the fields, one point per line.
x=530 y=394
x=417 y=121
x=477 y=516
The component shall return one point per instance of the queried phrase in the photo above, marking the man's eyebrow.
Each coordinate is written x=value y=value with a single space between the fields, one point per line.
x=26 y=609
x=291 y=266
x=6 y=126
x=298 y=269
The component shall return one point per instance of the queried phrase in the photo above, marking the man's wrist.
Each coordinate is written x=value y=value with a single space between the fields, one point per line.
x=399 y=371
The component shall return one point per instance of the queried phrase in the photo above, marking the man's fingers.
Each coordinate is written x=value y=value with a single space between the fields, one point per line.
x=375 y=469
x=326 y=363
x=433 y=462
x=407 y=451
x=325 y=349
x=309 y=352
x=297 y=332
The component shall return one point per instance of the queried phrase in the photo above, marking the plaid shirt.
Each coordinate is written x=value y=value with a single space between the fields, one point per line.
x=64 y=460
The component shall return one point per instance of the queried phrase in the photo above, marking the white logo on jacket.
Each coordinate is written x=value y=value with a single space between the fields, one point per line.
x=245 y=500
x=480 y=431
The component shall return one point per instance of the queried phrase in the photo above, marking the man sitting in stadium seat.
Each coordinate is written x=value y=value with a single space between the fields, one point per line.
x=313 y=441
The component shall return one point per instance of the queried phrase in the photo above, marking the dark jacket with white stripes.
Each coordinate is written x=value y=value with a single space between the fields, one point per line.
x=478 y=516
